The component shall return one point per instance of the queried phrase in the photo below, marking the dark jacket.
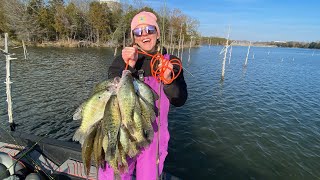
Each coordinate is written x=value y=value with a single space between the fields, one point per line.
x=176 y=91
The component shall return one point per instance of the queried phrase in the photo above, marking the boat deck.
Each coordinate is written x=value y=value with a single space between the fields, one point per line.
x=58 y=159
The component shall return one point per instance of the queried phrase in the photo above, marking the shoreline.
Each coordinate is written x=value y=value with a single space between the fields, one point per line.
x=88 y=44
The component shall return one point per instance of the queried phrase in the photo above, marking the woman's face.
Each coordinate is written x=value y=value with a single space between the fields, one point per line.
x=146 y=41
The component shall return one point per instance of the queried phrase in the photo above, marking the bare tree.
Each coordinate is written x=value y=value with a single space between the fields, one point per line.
x=19 y=20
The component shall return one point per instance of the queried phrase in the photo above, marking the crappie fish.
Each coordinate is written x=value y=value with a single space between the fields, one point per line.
x=145 y=92
x=92 y=112
x=146 y=98
x=111 y=124
x=98 y=152
x=127 y=99
x=110 y=85
x=87 y=149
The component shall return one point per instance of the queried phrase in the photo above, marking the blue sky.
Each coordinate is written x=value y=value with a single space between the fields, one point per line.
x=255 y=20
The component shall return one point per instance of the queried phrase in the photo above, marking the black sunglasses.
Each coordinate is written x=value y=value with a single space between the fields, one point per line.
x=149 y=30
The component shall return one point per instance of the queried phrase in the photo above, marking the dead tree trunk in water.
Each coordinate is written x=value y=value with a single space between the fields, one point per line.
x=8 y=82
x=246 y=62
x=230 y=53
x=225 y=56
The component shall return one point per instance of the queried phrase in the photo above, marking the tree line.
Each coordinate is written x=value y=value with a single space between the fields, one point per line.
x=290 y=44
x=214 y=41
x=293 y=44
x=40 y=21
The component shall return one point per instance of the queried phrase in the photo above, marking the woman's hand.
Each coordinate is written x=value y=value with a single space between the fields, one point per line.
x=168 y=71
x=130 y=55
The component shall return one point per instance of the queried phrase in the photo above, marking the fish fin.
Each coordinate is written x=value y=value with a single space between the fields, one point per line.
x=155 y=95
x=133 y=151
x=153 y=117
x=105 y=143
x=77 y=115
x=117 y=176
x=111 y=151
x=97 y=173
x=79 y=136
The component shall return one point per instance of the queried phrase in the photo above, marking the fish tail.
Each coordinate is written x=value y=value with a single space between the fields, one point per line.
x=117 y=175
x=87 y=166
x=132 y=153
x=152 y=117
x=123 y=167
x=111 y=151
x=149 y=134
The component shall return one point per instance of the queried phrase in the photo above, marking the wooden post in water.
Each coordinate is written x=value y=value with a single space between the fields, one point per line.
x=225 y=56
x=8 y=82
x=246 y=62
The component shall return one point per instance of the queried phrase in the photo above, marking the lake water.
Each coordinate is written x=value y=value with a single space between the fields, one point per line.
x=261 y=122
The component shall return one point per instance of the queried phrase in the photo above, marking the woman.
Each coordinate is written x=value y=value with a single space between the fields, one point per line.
x=145 y=35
